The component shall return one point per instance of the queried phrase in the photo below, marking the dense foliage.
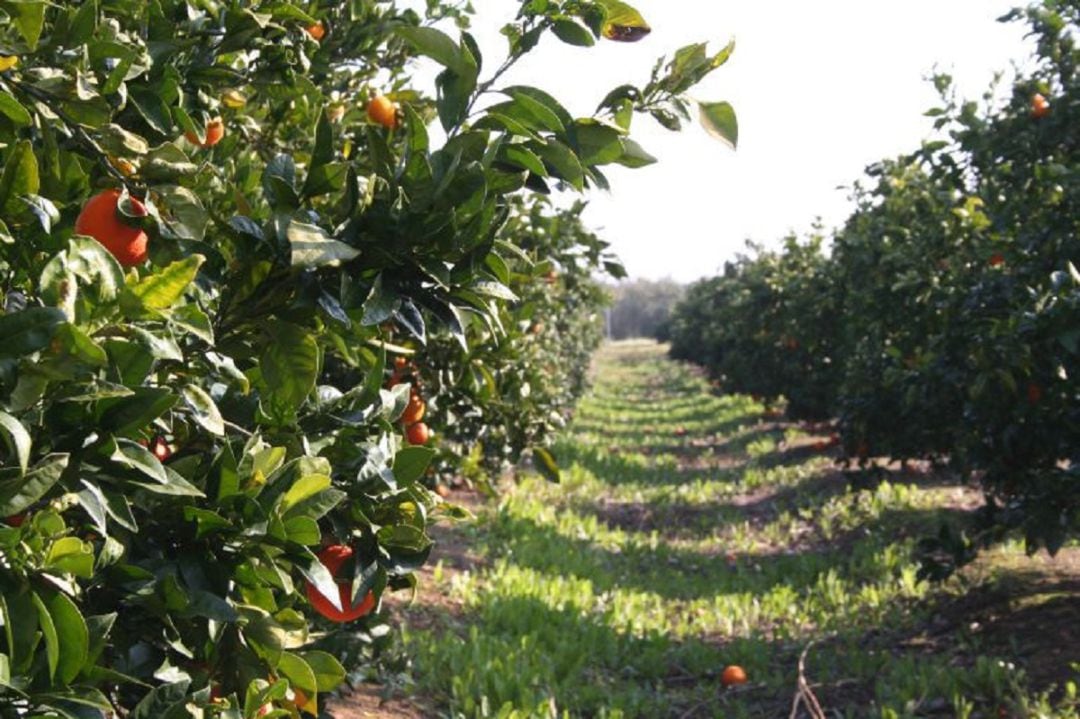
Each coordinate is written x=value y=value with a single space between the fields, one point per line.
x=226 y=238
x=943 y=323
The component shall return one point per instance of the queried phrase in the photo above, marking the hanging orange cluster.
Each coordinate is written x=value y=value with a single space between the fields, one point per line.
x=411 y=419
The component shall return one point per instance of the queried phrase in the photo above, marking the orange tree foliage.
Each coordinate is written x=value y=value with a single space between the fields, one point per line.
x=182 y=435
x=941 y=321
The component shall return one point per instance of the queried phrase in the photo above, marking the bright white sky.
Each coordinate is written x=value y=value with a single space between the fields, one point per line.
x=822 y=89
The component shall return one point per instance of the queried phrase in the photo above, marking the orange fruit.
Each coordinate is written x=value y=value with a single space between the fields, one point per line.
x=418 y=433
x=997 y=259
x=1040 y=106
x=101 y=220
x=16 y=520
x=125 y=167
x=335 y=112
x=333 y=557
x=733 y=675
x=317 y=31
x=215 y=130
x=414 y=411
x=382 y=111
x=1034 y=393
x=442 y=490
x=160 y=449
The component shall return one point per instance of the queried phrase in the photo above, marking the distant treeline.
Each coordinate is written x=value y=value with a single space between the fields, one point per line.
x=642 y=308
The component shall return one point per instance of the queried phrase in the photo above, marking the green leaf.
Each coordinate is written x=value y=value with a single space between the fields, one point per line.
x=299 y=673
x=316 y=572
x=29 y=17
x=303 y=530
x=439 y=47
x=323 y=151
x=563 y=162
x=161 y=290
x=204 y=410
x=17 y=495
x=381 y=303
x=73 y=636
x=48 y=631
x=126 y=415
x=20 y=626
x=14 y=110
x=490 y=288
x=176 y=486
x=161 y=701
x=634 y=155
x=206 y=522
x=410 y=464
x=17 y=440
x=71 y=555
x=329 y=673
x=152 y=108
x=289 y=364
x=573 y=33
x=545 y=462
x=185 y=217
x=598 y=143
x=622 y=22
x=718 y=119
x=133 y=455
x=312 y=246
x=307 y=486
x=20 y=176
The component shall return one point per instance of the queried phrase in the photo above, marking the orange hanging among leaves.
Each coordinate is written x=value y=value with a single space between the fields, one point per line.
x=100 y=218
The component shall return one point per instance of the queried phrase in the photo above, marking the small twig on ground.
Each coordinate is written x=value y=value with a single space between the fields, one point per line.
x=804 y=694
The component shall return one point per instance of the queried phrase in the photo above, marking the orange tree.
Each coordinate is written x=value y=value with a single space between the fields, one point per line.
x=513 y=384
x=768 y=327
x=201 y=449
x=951 y=298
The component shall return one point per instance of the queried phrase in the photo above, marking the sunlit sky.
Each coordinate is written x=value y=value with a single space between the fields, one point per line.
x=821 y=90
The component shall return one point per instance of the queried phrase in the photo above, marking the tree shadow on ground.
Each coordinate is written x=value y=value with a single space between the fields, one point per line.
x=853 y=555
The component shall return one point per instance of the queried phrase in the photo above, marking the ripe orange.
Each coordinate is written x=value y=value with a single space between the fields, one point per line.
x=1040 y=106
x=125 y=167
x=1034 y=393
x=335 y=112
x=997 y=259
x=333 y=557
x=442 y=490
x=733 y=675
x=160 y=448
x=215 y=130
x=414 y=411
x=317 y=31
x=101 y=220
x=382 y=111
x=418 y=433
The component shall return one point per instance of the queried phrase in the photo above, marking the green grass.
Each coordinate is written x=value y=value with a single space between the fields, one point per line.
x=688 y=535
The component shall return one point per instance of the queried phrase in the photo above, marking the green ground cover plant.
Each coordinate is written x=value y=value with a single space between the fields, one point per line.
x=693 y=532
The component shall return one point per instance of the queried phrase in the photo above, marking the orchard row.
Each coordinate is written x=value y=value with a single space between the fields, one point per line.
x=942 y=321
